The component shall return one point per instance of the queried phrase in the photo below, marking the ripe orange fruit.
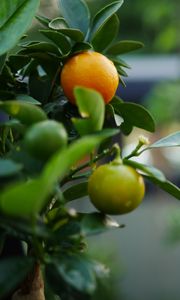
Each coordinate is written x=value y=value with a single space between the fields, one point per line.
x=116 y=189
x=92 y=70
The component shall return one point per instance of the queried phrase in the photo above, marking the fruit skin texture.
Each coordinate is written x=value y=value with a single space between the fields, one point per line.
x=43 y=139
x=116 y=189
x=92 y=70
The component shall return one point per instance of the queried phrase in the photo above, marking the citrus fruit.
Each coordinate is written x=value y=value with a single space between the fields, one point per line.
x=43 y=139
x=92 y=70
x=116 y=189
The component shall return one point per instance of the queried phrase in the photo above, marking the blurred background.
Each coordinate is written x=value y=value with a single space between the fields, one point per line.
x=144 y=257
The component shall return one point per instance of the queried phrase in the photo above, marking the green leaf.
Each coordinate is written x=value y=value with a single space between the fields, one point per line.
x=103 y=15
x=2 y=61
x=118 y=61
x=17 y=62
x=9 y=167
x=60 y=25
x=26 y=199
x=82 y=46
x=27 y=99
x=95 y=223
x=59 y=39
x=76 y=14
x=148 y=170
x=134 y=115
x=106 y=34
x=13 y=272
x=75 y=270
x=76 y=191
x=124 y=47
x=167 y=186
x=172 y=140
x=25 y=112
x=91 y=108
x=38 y=47
x=16 y=17
x=121 y=71
x=43 y=20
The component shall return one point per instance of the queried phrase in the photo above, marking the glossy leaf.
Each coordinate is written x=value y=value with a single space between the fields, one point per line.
x=25 y=112
x=94 y=223
x=146 y=169
x=91 y=108
x=59 y=39
x=103 y=15
x=43 y=20
x=60 y=25
x=167 y=186
x=76 y=191
x=75 y=270
x=9 y=167
x=13 y=272
x=26 y=199
x=135 y=115
x=82 y=46
x=106 y=34
x=124 y=47
x=119 y=62
x=121 y=71
x=172 y=140
x=27 y=99
x=76 y=14
x=38 y=47
x=16 y=17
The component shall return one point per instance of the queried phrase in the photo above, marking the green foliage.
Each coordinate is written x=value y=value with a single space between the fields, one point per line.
x=34 y=192
x=15 y=21
x=13 y=271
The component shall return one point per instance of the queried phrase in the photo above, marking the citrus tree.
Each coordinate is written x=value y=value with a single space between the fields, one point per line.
x=60 y=117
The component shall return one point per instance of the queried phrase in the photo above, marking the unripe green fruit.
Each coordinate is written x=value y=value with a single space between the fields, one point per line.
x=45 y=138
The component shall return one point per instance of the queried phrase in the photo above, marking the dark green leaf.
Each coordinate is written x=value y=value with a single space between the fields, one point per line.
x=27 y=99
x=82 y=46
x=43 y=20
x=118 y=61
x=135 y=115
x=17 y=62
x=38 y=47
x=13 y=272
x=16 y=17
x=25 y=112
x=172 y=140
x=59 y=39
x=124 y=47
x=60 y=25
x=9 y=167
x=167 y=186
x=76 y=14
x=148 y=170
x=75 y=270
x=76 y=191
x=91 y=108
x=103 y=15
x=95 y=223
x=2 y=61
x=121 y=71
x=106 y=34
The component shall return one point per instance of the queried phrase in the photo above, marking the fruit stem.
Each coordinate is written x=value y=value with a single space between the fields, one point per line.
x=117 y=151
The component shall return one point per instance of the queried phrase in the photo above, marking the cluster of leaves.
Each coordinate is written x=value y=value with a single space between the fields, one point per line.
x=34 y=193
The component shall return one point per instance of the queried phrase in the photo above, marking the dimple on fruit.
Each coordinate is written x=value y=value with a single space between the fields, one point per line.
x=43 y=139
x=92 y=70
x=116 y=188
